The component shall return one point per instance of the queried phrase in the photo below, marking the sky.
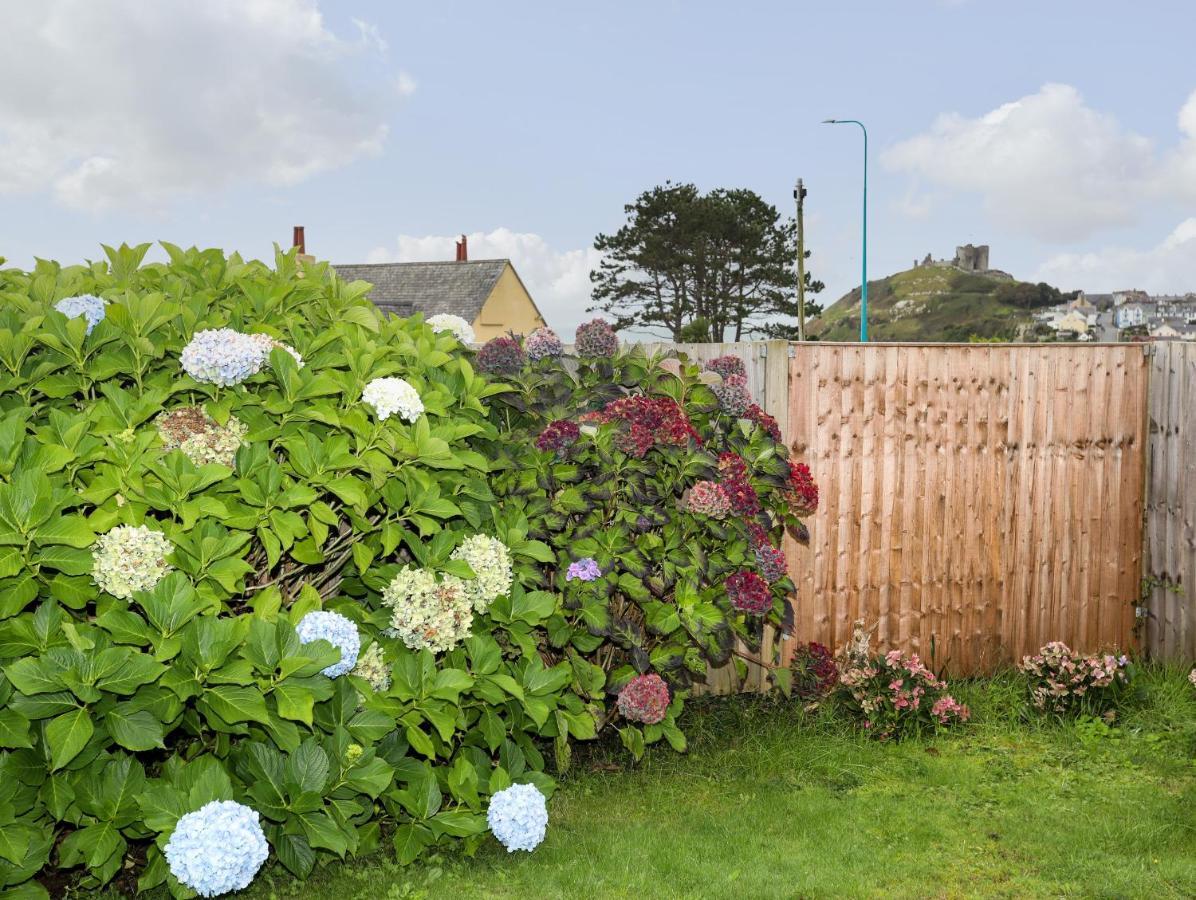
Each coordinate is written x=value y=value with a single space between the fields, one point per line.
x=1062 y=133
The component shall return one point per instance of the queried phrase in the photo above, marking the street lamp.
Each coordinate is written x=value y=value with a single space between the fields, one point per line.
x=864 y=264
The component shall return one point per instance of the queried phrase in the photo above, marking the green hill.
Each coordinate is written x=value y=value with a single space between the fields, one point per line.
x=932 y=303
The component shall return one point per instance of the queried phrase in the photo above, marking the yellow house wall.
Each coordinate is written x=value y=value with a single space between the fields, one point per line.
x=508 y=308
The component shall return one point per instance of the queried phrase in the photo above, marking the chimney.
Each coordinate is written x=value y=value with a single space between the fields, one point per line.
x=462 y=250
x=297 y=240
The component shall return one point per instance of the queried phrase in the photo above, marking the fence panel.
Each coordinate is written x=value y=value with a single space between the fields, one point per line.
x=1171 y=503
x=977 y=500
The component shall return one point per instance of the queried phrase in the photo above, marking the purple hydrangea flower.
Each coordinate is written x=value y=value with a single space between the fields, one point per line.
x=584 y=569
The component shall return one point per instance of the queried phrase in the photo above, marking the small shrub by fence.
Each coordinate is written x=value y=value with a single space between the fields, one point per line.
x=981 y=500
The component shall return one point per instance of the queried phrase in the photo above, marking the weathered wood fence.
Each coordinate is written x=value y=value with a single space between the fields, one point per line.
x=1170 y=567
x=981 y=500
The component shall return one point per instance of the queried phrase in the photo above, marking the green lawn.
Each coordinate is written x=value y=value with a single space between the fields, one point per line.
x=773 y=802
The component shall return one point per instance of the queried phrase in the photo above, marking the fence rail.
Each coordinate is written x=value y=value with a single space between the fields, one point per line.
x=981 y=500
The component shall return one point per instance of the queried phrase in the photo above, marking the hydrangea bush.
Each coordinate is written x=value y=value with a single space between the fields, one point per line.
x=664 y=514
x=1063 y=682
x=208 y=496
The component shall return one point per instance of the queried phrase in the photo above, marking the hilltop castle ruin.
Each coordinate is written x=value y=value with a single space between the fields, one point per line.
x=968 y=258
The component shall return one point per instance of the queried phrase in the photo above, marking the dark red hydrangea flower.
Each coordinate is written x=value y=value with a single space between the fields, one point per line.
x=645 y=699
x=757 y=535
x=744 y=499
x=733 y=395
x=726 y=365
x=558 y=435
x=801 y=492
x=500 y=356
x=764 y=420
x=650 y=422
x=771 y=562
x=596 y=338
x=732 y=465
x=749 y=593
x=814 y=671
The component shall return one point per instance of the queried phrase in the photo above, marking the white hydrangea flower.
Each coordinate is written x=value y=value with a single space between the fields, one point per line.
x=461 y=329
x=216 y=849
x=129 y=558
x=428 y=613
x=372 y=666
x=389 y=396
x=518 y=817
x=265 y=344
x=491 y=563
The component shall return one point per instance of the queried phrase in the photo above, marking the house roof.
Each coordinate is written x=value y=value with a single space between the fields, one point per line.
x=457 y=288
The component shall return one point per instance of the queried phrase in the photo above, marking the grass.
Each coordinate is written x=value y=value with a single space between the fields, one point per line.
x=772 y=801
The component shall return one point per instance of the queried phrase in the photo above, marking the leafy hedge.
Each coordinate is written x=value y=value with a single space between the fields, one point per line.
x=196 y=456
x=120 y=714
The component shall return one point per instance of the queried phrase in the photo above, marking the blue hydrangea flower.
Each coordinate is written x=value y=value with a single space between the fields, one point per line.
x=585 y=569
x=518 y=817
x=217 y=848
x=87 y=305
x=222 y=356
x=336 y=630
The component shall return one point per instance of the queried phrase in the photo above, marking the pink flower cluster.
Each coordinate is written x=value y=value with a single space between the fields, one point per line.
x=596 y=338
x=1062 y=681
x=770 y=561
x=749 y=593
x=500 y=356
x=644 y=699
x=558 y=435
x=894 y=694
x=733 y=395
x=542 y=344
x=706 y=498
x=726 y=366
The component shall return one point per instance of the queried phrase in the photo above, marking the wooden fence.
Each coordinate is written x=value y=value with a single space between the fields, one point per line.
x=981 y=500
x=1170 y=566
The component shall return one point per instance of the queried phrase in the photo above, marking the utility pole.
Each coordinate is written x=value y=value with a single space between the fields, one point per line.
x=799 y=194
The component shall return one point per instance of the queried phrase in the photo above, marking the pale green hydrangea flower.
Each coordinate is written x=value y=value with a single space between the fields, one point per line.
x=130 y=558
x=371 y=665
x=191 y=430
x=491 y=563
x=428 y=613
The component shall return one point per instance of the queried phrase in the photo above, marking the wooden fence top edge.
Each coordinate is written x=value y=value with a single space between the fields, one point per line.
x=1075 y=345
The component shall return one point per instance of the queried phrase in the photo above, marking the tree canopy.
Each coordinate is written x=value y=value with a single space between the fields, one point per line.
x=701 y=267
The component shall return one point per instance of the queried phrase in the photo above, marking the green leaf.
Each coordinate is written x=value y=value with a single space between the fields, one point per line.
x=134 y=729
x=67 y=735
x=234 y=703
x=73 y=531
x=14 y=730
x=307 y=767
x=410 y=841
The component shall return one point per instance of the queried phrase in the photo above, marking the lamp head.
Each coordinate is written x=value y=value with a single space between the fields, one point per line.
x=830 y=121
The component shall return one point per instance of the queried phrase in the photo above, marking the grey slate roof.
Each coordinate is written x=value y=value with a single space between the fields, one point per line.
x=458 y=288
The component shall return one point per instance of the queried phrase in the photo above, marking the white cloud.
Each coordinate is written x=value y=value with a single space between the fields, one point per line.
x=123 y=103
x=405 y=84
x=1169 y=267
x=558 y=280
x=1048 y=164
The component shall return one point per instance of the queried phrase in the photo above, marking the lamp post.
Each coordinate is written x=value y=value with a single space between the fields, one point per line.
x=864 y=263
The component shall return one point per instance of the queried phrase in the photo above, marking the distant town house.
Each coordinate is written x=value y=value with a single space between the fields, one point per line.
x=486 y=293
x=1129 y=315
